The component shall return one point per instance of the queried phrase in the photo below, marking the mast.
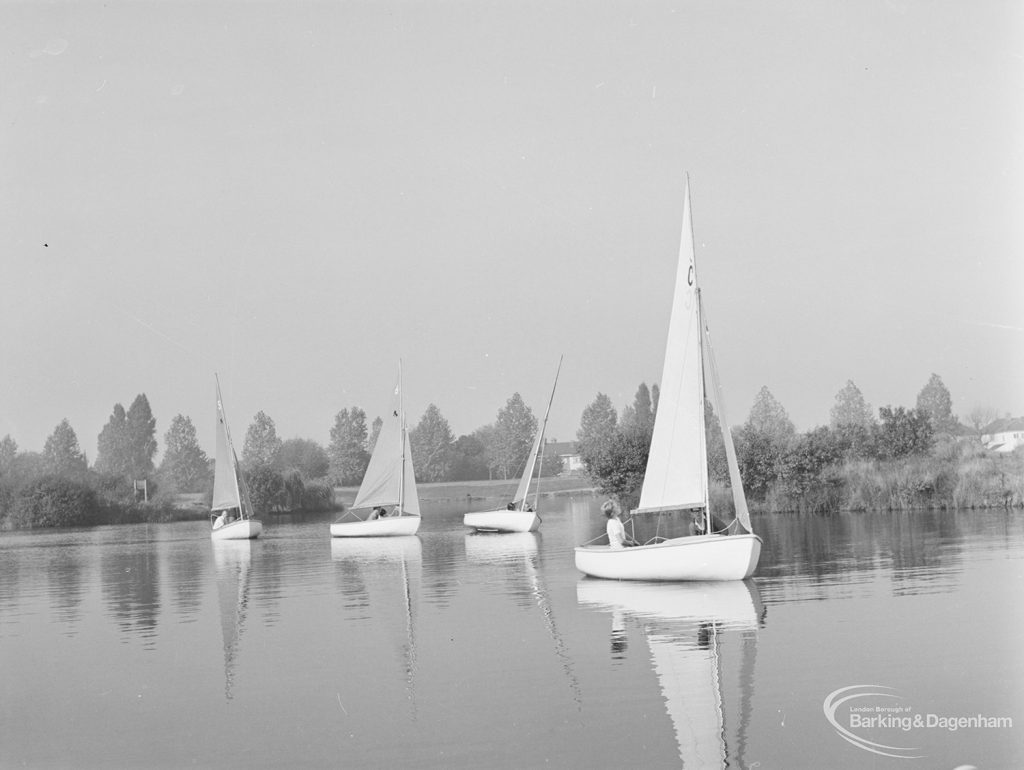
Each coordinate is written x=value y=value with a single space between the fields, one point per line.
x=231 y=449
x=700 y=358
x=401 y=438
x=543 y=428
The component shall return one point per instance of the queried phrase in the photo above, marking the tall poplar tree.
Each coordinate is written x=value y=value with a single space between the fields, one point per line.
x=597 y=431
x=8 y=453
x=261 y=442
x=140 y=435
x=61 y=454
x=935 y=402
x=431 y=442
x=514 y=431
x=112 y=445
x=347 y=450
x=850 y=408
x=184 y=462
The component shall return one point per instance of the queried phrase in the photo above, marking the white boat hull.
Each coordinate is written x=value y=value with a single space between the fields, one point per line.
x=701 y=557
x=390 y=526
x=243 y=529
x=502 y=521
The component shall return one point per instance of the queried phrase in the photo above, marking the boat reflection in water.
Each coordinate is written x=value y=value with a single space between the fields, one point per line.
x=517 y=554
x=232 y=560
x=703 y=642
x=385 y=570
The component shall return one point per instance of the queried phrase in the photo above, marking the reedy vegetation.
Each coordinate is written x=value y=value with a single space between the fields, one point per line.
x=905 y=459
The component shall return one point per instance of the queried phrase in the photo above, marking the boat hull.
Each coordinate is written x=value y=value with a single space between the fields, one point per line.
x=391 y=526
x=243 y=529
x=502 y=521
x=702 y=557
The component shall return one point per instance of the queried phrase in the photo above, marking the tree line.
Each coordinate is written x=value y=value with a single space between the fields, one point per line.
x=901 y=458
x=58 y=486
x=896 y=458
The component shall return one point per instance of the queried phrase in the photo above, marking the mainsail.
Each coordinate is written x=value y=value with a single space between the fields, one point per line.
x=390 y=479
x=226 y=492
x=538 y=442
x=676 y=474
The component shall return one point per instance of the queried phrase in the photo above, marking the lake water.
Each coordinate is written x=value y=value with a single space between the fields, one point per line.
x=151 y=646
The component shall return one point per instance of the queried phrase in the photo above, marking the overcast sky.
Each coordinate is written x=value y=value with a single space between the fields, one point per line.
x=296 y=195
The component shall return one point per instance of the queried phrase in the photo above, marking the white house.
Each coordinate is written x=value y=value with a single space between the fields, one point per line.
x=569 y=452
x=1004 y=435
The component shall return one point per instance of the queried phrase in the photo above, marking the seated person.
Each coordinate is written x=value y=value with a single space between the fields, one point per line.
x=616 y=531
x=696 y=524
x=377 y=513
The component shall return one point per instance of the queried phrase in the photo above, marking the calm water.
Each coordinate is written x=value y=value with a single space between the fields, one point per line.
x=145 y=646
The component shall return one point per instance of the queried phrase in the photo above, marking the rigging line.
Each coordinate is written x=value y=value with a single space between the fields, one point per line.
x=158 y=333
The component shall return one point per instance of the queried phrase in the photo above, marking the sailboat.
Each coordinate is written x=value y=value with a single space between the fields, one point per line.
x=231 y=511
x=519 y=516
x=387 y=497
x=677 y=478
x=703 y=640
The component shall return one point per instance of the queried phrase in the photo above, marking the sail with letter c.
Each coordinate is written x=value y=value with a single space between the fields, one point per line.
x=676 y=475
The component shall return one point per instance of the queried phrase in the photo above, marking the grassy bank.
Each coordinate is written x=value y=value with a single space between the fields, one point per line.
x=955 y=474
x=449 y=491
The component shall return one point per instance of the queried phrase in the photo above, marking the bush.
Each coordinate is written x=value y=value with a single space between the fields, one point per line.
x=52 y=501
x=317 y=496
x=266 y=488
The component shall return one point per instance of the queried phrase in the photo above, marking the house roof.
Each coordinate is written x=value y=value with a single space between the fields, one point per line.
x=562 y=448
x=1005 y=425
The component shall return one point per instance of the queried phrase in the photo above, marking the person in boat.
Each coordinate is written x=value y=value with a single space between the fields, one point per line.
x=377 y=513
x=616 y=531
x=221 y=520
x=511 y=506
x=696 y=524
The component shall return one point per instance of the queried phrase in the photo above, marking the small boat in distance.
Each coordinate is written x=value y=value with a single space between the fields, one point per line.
x=231 y=512
x=676 y=478
x=387 y=497
x=518 y=515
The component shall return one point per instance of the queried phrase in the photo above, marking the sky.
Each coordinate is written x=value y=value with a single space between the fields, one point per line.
x=297 y=195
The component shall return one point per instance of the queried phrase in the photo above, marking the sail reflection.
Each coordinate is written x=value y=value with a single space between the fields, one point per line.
x=383 y=571
x=232 y=561
x=702 y=640
x=518 y=553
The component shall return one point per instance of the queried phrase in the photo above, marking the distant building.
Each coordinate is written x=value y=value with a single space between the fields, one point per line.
x=570 y=454
x=1004 y=435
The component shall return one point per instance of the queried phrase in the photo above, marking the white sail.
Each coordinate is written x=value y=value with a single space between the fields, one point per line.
x=524 y=483
x=410 y=496
x=226 y=491
x=739 y=498
x=676 y=474
x=390 y=464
